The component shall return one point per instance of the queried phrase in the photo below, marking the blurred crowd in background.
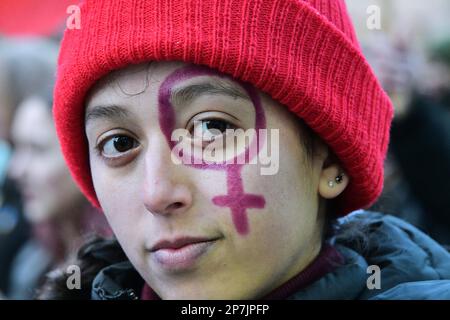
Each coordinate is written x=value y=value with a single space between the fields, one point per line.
x=43 y=216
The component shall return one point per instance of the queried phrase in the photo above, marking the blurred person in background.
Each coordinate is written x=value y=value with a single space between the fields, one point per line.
x=440 y=62
x=417 y=170
x=24 y=72
x=58 y=214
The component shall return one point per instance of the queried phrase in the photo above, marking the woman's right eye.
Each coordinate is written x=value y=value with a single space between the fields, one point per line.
x=117 y=146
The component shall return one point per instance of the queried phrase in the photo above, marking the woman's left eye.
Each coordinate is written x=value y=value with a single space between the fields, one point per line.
x=211 y=128
x=219 y=125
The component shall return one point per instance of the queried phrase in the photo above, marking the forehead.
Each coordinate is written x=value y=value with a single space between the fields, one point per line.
x=131 y=80
x=128 y=90
x=137 y=79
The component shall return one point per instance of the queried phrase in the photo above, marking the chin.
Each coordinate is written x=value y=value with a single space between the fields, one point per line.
x=199 y=293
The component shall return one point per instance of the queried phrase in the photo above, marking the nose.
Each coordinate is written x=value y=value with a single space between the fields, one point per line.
x=165 y=189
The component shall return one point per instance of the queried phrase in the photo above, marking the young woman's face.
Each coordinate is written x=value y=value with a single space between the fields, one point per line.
x=37 y=164
x=200 y=230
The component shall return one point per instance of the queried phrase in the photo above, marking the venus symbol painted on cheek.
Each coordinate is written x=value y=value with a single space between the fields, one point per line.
x=236 y=199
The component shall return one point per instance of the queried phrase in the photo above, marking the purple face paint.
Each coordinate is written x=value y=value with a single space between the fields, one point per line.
x=237 y=200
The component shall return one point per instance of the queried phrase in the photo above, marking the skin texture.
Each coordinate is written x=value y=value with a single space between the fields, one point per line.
x=147 y=197
x=38 y=166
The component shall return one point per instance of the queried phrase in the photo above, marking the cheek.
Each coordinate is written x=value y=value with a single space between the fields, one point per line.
x=284 y=228
x=291 y=193
x=290 y=213
x=119 y=198
x=117 y=194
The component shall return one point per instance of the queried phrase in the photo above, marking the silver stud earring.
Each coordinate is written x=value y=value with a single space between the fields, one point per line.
x=338 y=180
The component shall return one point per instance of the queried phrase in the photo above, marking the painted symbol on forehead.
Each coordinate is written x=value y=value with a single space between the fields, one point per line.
x=237 y=200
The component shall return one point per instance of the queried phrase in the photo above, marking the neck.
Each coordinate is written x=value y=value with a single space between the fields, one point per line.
x=327 y=260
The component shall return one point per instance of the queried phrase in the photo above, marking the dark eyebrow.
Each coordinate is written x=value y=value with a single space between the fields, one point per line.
x=106 y=112
x=185 y=95
x=179 y=96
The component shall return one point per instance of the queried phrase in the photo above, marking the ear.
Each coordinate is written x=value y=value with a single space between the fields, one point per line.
x=333 y=179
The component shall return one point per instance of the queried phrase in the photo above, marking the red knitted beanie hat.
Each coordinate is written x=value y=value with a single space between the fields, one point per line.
x=303 y=53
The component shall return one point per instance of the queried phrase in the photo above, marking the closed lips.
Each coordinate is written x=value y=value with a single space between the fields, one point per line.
x=182 y=254
x=178 y=243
